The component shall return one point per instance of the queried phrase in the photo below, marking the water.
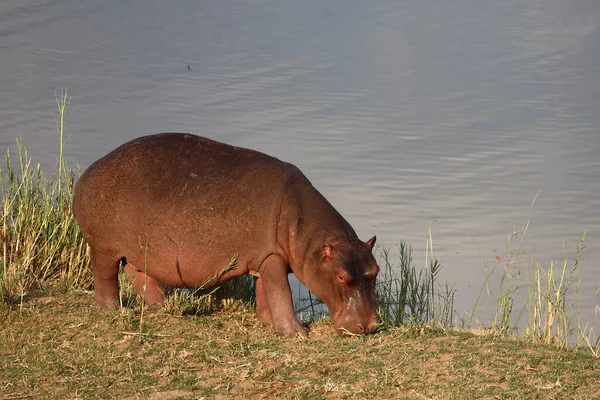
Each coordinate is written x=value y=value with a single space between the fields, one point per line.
x=407 y=116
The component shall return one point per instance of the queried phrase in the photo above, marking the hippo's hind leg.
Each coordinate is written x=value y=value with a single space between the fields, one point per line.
x=147 y=287
x=105 y=269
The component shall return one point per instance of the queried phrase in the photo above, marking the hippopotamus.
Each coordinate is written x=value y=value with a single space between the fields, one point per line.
x=173 y=208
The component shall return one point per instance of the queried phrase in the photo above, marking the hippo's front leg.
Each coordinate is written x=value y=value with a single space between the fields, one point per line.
x=274 y=298
x=262 y=308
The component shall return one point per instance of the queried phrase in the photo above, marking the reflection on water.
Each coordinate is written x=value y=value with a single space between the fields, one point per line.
x=408 y=116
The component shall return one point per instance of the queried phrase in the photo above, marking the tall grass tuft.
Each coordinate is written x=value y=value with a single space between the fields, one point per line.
x=552 y=319
x=553 y=295
x=41 y=241
x=413 y=296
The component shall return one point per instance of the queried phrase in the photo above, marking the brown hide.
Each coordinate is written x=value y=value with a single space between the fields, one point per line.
x=176 y=207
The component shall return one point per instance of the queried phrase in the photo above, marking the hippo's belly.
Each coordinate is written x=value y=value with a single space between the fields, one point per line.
x=183 y=251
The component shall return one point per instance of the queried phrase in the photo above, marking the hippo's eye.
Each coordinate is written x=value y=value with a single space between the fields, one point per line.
x=343 y=278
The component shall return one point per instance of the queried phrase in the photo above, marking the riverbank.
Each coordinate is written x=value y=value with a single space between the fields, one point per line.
x=54 y=343
x=58 y=345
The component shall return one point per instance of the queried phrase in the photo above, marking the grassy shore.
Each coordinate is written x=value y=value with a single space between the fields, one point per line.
x=59 y=346
x=55 y=344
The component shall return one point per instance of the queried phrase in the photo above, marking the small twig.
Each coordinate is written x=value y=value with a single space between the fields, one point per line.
x=15 y=397
x=142 y=334
x=419 y=394
x=346 y=332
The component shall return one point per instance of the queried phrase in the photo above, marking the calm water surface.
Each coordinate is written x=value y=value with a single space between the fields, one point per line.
x=407 y=116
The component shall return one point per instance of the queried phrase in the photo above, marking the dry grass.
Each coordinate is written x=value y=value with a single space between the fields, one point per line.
x=40 y=238
x=552 y=291
x=59 y=346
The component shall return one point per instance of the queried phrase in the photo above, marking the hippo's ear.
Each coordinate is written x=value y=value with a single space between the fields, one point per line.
x=327 y=252
x=371 y=242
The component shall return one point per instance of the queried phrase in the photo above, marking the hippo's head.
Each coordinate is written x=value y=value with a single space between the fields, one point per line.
x=344 y=279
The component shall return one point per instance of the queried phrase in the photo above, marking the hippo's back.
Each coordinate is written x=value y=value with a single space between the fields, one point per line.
x=179 y=199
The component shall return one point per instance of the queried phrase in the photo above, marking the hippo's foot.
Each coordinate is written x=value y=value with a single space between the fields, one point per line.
x=106 y=286
x=107 y=303
x=285 y=328
x=274 y=299
x=107 y=294
x=281 y=327
x=290 y=328
x=151 y=290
